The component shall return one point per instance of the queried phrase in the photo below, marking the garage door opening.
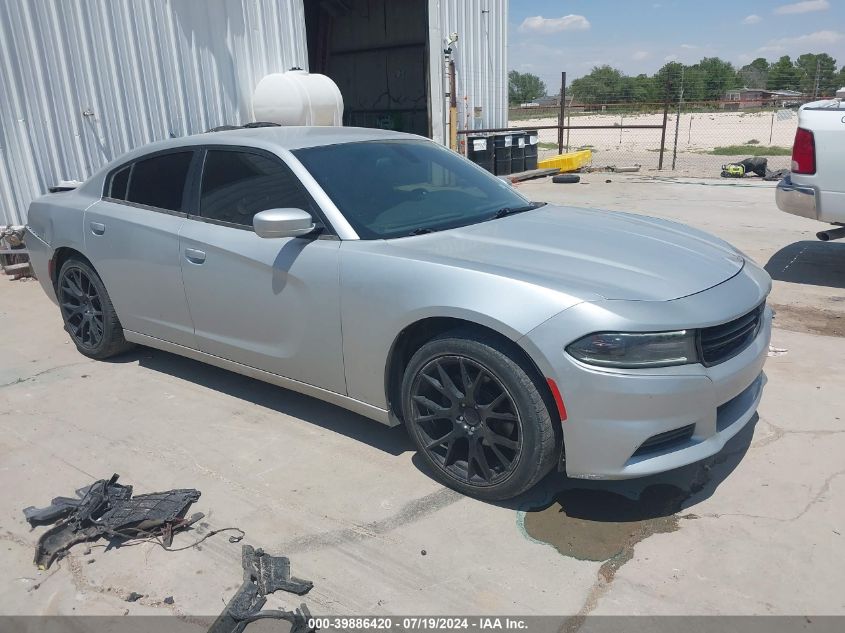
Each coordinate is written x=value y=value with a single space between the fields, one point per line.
x=376 y=51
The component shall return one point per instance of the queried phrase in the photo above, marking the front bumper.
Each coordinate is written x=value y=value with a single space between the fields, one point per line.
x=796 y=199
x=612 y=414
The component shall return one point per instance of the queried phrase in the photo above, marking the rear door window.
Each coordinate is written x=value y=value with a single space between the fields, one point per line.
x=119 y=184
x=236 y=185
x=158 y=181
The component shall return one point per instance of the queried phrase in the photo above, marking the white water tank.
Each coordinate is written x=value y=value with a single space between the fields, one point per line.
x=297 y=97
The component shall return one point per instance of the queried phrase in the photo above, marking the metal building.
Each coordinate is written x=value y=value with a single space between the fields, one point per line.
x=82 y=81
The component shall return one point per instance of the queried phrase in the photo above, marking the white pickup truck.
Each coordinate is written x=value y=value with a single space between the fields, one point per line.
x=815 y=187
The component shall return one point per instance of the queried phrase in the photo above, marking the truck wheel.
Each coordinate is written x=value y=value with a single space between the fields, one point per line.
x=477 y=417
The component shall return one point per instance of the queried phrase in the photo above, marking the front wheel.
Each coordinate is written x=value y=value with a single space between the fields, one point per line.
x=477 y=417
x=87 y=311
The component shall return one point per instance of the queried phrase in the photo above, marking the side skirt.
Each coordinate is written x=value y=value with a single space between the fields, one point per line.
x=361 y=408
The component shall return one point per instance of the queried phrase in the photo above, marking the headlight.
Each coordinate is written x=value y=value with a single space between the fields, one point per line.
x=632 y=349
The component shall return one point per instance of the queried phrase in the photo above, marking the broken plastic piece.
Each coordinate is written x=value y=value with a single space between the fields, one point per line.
x=62 y=506
x=107 y=508
x=263 y=574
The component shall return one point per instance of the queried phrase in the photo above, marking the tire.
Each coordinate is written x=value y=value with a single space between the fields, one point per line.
x=566 y=178
x=466 y=415
x=87 y=311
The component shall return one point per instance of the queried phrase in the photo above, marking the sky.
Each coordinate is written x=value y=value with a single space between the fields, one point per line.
x=546 y=37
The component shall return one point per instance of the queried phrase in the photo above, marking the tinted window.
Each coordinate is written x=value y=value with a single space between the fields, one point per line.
x=393 y=188
x=118 y=184
x=237 y=185
x=160 y=181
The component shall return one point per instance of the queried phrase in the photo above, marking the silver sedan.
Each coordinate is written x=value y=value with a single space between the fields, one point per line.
x=388 y=275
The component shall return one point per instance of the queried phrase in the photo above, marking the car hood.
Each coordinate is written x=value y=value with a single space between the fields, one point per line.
x=586 y=253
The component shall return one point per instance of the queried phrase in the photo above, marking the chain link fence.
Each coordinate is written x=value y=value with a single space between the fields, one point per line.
x=700 y=136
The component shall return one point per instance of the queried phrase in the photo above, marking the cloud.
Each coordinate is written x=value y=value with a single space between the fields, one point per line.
x=539 y=24
x=819 y=38
x=641 y=55
x=752 y=19
x=689 y=46
x=670 y=58
x=803 y=7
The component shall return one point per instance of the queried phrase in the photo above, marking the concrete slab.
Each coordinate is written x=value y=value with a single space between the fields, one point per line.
x=758 y=529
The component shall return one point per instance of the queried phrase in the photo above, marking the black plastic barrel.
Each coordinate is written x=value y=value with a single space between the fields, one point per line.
x=531 y=140
x=480 y=151
x=502 y=143
x=518 y=152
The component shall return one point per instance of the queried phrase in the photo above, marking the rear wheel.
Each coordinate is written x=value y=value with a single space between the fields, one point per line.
x=87 y=311
x=477 y=417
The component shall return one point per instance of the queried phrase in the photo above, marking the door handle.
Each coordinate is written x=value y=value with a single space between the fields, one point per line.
x=98 y=228
x=194 y=256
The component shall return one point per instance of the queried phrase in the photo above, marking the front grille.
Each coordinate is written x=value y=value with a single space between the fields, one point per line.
x=666 y=440
x=722 y=342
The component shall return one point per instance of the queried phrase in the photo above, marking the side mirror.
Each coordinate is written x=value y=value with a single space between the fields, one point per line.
x=282 y=223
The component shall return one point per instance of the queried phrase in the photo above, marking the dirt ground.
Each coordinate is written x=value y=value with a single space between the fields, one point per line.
x=698 y=134
x=758 y=529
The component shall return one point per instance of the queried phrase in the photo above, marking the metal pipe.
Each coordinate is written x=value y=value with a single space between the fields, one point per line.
x=562 y=113
x=568 y=127
x=665 y=119
x=678 y=120
x=565 y=127
x=831 y=234
x=453 y=107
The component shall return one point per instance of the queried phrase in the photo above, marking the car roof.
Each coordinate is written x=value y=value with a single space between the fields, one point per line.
x=282 y=137
x=297 y=137
x=268 y=138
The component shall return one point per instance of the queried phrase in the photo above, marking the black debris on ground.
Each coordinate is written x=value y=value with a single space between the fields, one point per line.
x=169 y=600
x=263 y=575
x=134 y=597
x=108 y=509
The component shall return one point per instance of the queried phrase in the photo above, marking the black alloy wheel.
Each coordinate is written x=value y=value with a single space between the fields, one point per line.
x=468 y=420
x=82 y=308
x=87 y=311
x=474 y=410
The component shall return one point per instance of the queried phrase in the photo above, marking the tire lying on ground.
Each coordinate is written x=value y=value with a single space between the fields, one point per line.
x=474 y=409
x=566 y=178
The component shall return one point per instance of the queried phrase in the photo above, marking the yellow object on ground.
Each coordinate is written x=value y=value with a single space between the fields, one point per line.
x=567 y=162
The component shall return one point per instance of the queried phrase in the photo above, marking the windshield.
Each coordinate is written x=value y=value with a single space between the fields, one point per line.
x=396 y=188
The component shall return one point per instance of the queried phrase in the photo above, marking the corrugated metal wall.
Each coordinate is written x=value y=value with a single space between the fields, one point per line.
x=480 y=58
x=82 y=81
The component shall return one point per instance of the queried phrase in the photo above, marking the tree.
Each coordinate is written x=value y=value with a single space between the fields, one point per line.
x=783 y=75
x=812 y=68
x=639 y=89
x=718 y=77
x=755 y=74
x=524 y=87
x=602 y=85
x=670 y=75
